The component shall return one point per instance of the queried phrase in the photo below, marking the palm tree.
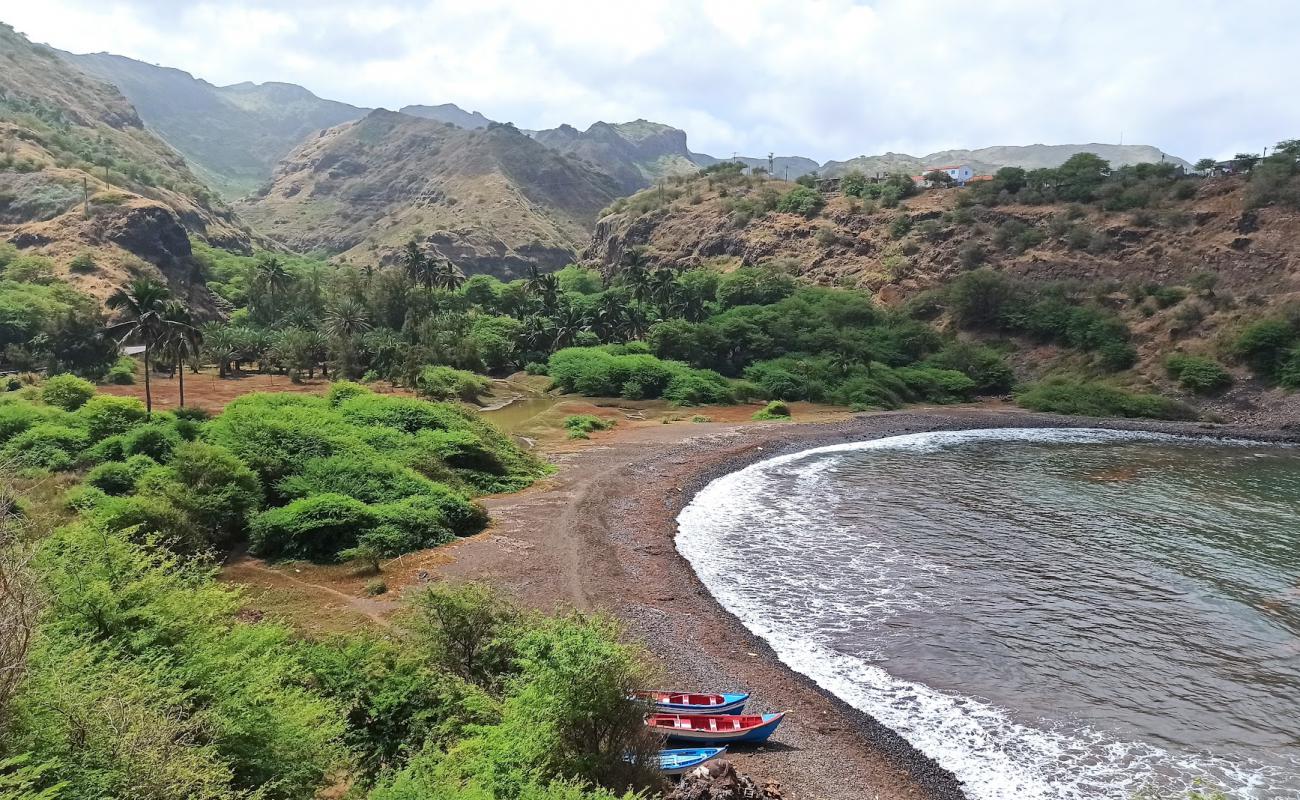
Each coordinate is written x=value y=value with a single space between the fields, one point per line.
x=344 y=322
x=140 y=303
x=181 y=339
x=346 y=319
x=447 y=275
x=548 y=289
x=270 y=280
x=419 y=268
x=663 y=285
x=533 y=279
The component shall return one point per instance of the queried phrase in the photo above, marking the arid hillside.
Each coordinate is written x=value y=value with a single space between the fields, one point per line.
x=80 y=176
x=1186 y=273
x=491 y=200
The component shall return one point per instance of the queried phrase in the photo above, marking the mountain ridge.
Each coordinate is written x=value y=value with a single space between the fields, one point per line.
x=492 y=200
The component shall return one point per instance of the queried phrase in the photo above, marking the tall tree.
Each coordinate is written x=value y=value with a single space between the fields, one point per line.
x=447 y=275
x=419 y=267
x=182 y=341
x=140 y=303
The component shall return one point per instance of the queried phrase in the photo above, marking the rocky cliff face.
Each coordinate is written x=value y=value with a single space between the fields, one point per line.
x=491 y=200
x=635 y=153
x=79 y=173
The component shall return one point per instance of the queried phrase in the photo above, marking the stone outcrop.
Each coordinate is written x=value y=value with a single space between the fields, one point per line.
x=719 y=780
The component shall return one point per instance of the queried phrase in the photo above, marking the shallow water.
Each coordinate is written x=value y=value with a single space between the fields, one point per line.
x=519 y=414
x=1049 y=614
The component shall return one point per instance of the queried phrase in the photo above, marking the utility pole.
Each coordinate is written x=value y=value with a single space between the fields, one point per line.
x=771 y=158
x=85 y=193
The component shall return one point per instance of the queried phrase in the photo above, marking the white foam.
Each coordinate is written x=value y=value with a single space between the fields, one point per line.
x=997 y=757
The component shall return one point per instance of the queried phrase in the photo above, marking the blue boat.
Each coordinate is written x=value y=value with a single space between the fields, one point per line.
x=715 y=728
x=696 y=702
x=679 y=762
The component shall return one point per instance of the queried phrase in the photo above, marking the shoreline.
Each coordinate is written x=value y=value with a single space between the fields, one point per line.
x=600 y=536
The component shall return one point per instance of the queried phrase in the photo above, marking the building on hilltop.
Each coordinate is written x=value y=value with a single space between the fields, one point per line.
x=960 y=173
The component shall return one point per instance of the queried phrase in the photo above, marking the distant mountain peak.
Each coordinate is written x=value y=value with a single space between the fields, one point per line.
x=448 y=112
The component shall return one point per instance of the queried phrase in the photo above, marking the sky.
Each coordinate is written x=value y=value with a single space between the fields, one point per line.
x=827 y=79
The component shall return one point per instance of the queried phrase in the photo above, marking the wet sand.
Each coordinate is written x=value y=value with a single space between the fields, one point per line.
x=599 y=536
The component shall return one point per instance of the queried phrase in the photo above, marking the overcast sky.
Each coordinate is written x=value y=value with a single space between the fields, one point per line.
x=829 y=79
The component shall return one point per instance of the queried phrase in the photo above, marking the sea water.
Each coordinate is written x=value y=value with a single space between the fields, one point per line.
x=1054 y=613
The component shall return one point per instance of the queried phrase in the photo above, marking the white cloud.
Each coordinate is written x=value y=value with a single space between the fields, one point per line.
x=823 y=78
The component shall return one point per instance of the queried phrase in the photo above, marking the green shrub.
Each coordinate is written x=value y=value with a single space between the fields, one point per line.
x=18 y=417
x=1094 y=399
x=67 y=392
x=426 y=521
x=936 y=385
x=368 y=478
x=579 y=425
x=983 y=365
x=1264 y=345
x=446 y=383
x=82 y=263
x=776 y=409
x=316 y=528
x=342 y=391
x=1197 y=373
x=376 y=587
x=535 y=368
x=45 y=446
x=597 y=372
x=112 y=477
x=156 y=440
x=216 y=490
x=801 y=200
x=122 y=373
x=105 y=415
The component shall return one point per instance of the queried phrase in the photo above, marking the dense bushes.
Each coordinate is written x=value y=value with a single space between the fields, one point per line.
x=599 y=372
x=67 y=392
x=1096 y=399
x=991 y=301
x=145 y=682
x=1197 y=373
x=404 y=469
x=801 y=200
x=446 y=383
x=1271 y=348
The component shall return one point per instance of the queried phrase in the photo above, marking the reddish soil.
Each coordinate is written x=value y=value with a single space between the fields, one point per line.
x=207 y=390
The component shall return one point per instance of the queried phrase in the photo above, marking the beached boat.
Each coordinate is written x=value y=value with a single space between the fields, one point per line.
x=715 y=728
x=696 y=702
x=679 y=762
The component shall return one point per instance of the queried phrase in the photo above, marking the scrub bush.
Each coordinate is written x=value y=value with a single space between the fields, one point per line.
x=1197 y=373
x=66 y=391
x=1095 y=399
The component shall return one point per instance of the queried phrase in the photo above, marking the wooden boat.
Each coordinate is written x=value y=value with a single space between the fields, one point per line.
x=696 y=703
x=679 y=762
x=715 y=728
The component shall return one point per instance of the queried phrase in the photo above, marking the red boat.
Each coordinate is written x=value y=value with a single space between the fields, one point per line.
x=695 y=702
x=715 y=728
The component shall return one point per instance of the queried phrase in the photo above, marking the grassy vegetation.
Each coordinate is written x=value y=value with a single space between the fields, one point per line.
x=776 y=409
x=296 y=476
x=1066 y=395
x=47 y=325
x=580 y=425
x=1063 y=314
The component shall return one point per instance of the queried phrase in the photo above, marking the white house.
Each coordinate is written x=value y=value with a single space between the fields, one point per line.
x=961 y=173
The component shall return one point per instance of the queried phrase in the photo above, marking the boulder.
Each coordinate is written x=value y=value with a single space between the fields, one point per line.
x=719 y=780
